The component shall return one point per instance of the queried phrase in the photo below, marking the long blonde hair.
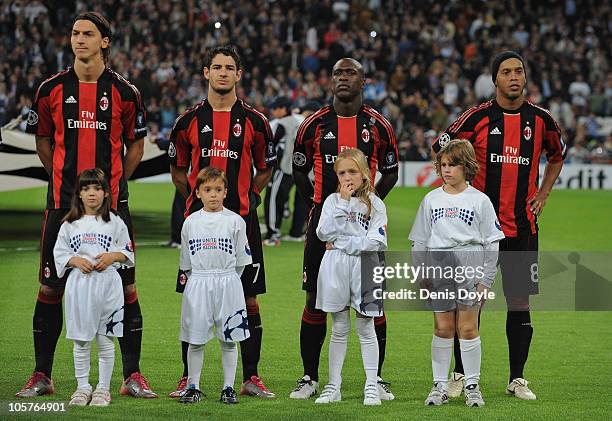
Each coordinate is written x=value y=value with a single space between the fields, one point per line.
x=363 y=192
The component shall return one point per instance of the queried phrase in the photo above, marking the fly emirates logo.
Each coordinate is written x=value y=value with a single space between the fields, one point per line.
x=219 y=150
x=86 y=122
x=510 y=156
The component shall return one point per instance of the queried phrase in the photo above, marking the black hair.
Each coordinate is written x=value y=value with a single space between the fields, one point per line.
x=226 y=50
x=88 y=177
x=103 y=26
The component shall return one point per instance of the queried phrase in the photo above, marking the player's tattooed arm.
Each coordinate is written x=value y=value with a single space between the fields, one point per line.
x=133 y=155
x=45 y=152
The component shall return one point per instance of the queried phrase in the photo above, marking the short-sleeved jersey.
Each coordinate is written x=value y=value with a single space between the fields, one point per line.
x=90 y=236
x=214 y=241
x=89 y=125
x=347 y=225
x=234 y=141
x=508 y=146
x=324 y=134
x=449 y=221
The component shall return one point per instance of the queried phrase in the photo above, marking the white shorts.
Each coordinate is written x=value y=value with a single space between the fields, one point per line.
x=456 y=290
x=214 y=299
x=93 y=304
x=339 y=285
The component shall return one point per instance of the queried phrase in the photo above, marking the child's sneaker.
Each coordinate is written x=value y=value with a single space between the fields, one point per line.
x=370 y=395
x=473 y=396
x=330 y=394
x=228 y=395
x=437 y=396
x=100 y=397
x=191 y=395
x=80 y=397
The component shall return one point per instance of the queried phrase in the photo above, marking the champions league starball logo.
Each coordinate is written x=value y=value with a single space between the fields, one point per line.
x=299 y=159
x=32 y=118
x=171 y=150
x=236 y=321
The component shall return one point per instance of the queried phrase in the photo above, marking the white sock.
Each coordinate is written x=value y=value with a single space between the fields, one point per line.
x=82 y=353
x=337 y=345
x=369 y=348
x=471 y=351
x=229 y=360
x=106 y=360
x=441 y=353
x=195 y=361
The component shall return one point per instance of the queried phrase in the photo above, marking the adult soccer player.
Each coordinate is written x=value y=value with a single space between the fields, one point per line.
x=347 y=123
x=84 y=117
x=224 y=132
x=509 y=134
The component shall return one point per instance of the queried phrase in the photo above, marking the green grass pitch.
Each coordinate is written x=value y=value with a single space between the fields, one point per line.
x=569 y=368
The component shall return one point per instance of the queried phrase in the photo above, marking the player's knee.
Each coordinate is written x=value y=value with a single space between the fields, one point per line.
x=129 y=290
x=518 y=303
x=251 y=301
x=51 y=293
x=311 y=301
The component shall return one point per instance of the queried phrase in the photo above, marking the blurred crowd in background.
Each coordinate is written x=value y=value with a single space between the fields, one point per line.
x=425 y=60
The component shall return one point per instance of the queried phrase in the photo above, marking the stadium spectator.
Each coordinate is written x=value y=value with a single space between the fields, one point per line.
x=433 y=48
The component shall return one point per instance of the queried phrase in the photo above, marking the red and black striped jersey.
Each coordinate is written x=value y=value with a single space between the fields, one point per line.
x=235 y=141
x=508 y=146
x=324 y=134
x=89 y=124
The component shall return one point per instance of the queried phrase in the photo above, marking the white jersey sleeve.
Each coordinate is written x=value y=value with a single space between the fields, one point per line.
x=122 y=243
x=490 y=228
x=332 y=223
x=376 y=236
x=243 y=252
x=62 y=252
x=421 y=229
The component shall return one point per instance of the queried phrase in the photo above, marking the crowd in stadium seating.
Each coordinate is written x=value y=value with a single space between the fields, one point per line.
x=426 y=60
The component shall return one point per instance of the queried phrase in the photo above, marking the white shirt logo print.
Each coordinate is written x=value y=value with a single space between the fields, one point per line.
x=329 y=136
x=206 y=129
x=70 y=100
x=495 y=131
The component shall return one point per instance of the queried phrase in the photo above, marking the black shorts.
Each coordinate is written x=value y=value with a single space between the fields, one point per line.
x=314 y=249
x=254 y=275
x=518 y=261
x=52 y=222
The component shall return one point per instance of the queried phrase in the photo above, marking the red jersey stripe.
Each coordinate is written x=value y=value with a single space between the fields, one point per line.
x=59 y=151
x=86 y=158
x=507 y=196
x=347 y=133
x=221 y=128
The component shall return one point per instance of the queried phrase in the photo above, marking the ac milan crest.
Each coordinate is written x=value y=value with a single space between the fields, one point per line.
x=104 y=103
x=182 y=279
x=527 y=133
x=47 y=272
x=237 y=129
x=365 y=135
